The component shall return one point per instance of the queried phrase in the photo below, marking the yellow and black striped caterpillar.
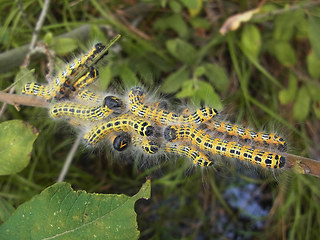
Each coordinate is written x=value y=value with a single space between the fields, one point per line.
x=89 y=97
x=77 y=110
x=63 y=79
x=218 y=146
x=163 y=117
x=125 y=123
x=248 y=134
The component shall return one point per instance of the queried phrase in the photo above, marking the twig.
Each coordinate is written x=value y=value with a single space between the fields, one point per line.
x=26 y=100
x=39 y=25
x=303 y=165
x=69 y=159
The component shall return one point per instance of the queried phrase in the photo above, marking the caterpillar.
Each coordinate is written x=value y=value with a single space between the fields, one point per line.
x=89 y=96
x=125 y=123
x=197 y=157
x=248 y=134
x=160 y=116
x=147 y=145
x=218 y=146
x=62 y=80
x=76 y=110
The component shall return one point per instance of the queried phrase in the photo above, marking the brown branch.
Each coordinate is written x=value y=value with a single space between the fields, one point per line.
x=15 y=99
x=303 y=165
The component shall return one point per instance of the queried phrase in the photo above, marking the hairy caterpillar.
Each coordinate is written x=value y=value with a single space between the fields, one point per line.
x=160 y=116
x=222 y=147
x=89 y=96
x=147 y=145
x=248 y=134
x=76 y=110
x=197 y=157
x=123 y=123
x=62 y=80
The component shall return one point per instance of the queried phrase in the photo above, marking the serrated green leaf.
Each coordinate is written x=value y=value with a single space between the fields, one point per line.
x=251 y=40
x=287 y=95
x=217 y=76
x=301 y=106
x=16 y=140
x=175 y=6
x=313 y=64
x=105 y=77
x=314 y=34
x=23 y=76
x=316 y=108
x=61 y=213
x=175 y=80
x=64 y=45
x=285 y=53
x=182 y=50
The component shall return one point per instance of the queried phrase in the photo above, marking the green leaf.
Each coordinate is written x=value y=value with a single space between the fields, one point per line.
x=96 y=33
x=175 y=6
x=314 y=34
x=191 y=4
x=182 y=50
x=186 y=90
x=105 y=77
x=205 y=92
x=284 y=53
x=64 y=45
x=301 y=106
x=314 y=90
x=6 y=209
x=61 y=213
x=174 y=22
x=217 y=76
x=287 y=95
x=175 y=80
x=313 y=64
x=48 y=38
x=16 y=140
x=128 y=77
x=316 y=108
x=23 y=76
x=199 y=22
x=251 y=40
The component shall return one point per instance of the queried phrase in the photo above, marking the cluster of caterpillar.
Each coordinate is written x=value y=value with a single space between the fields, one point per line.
x=130 y=121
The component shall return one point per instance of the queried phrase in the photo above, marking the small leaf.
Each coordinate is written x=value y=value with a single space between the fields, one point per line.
x=16 y=140
x=182 y=50
x=205 y=92
x=128 y=77
x=61 y=213
x=251 y=40
x=217 y=76
x=186 y=90
x=314 y=91
x=175 y=80
x=301 y=106
x=314 y=34
x=194 y=6
x=48 y=38
x=64 y=45
x=199 y=22
x=287 y=95
x=175 y=6
x=105 y=77
x=174 y=22
x=285 y=53
x=23 y=76
x=313 y=64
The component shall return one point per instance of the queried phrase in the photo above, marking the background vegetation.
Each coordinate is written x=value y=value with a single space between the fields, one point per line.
x=265 y=74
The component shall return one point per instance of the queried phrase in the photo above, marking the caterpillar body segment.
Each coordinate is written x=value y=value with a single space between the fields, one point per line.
x=121 y=142
x=248 y=134
x=37 y=89
x=80 y=111
x=197 y=157
x=90 y=97
x=125 y=123
x=163 y=117
x=85 y=80
x=226 y=148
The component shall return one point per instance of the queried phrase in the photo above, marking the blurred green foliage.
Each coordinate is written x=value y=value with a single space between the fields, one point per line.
x=266 y=74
